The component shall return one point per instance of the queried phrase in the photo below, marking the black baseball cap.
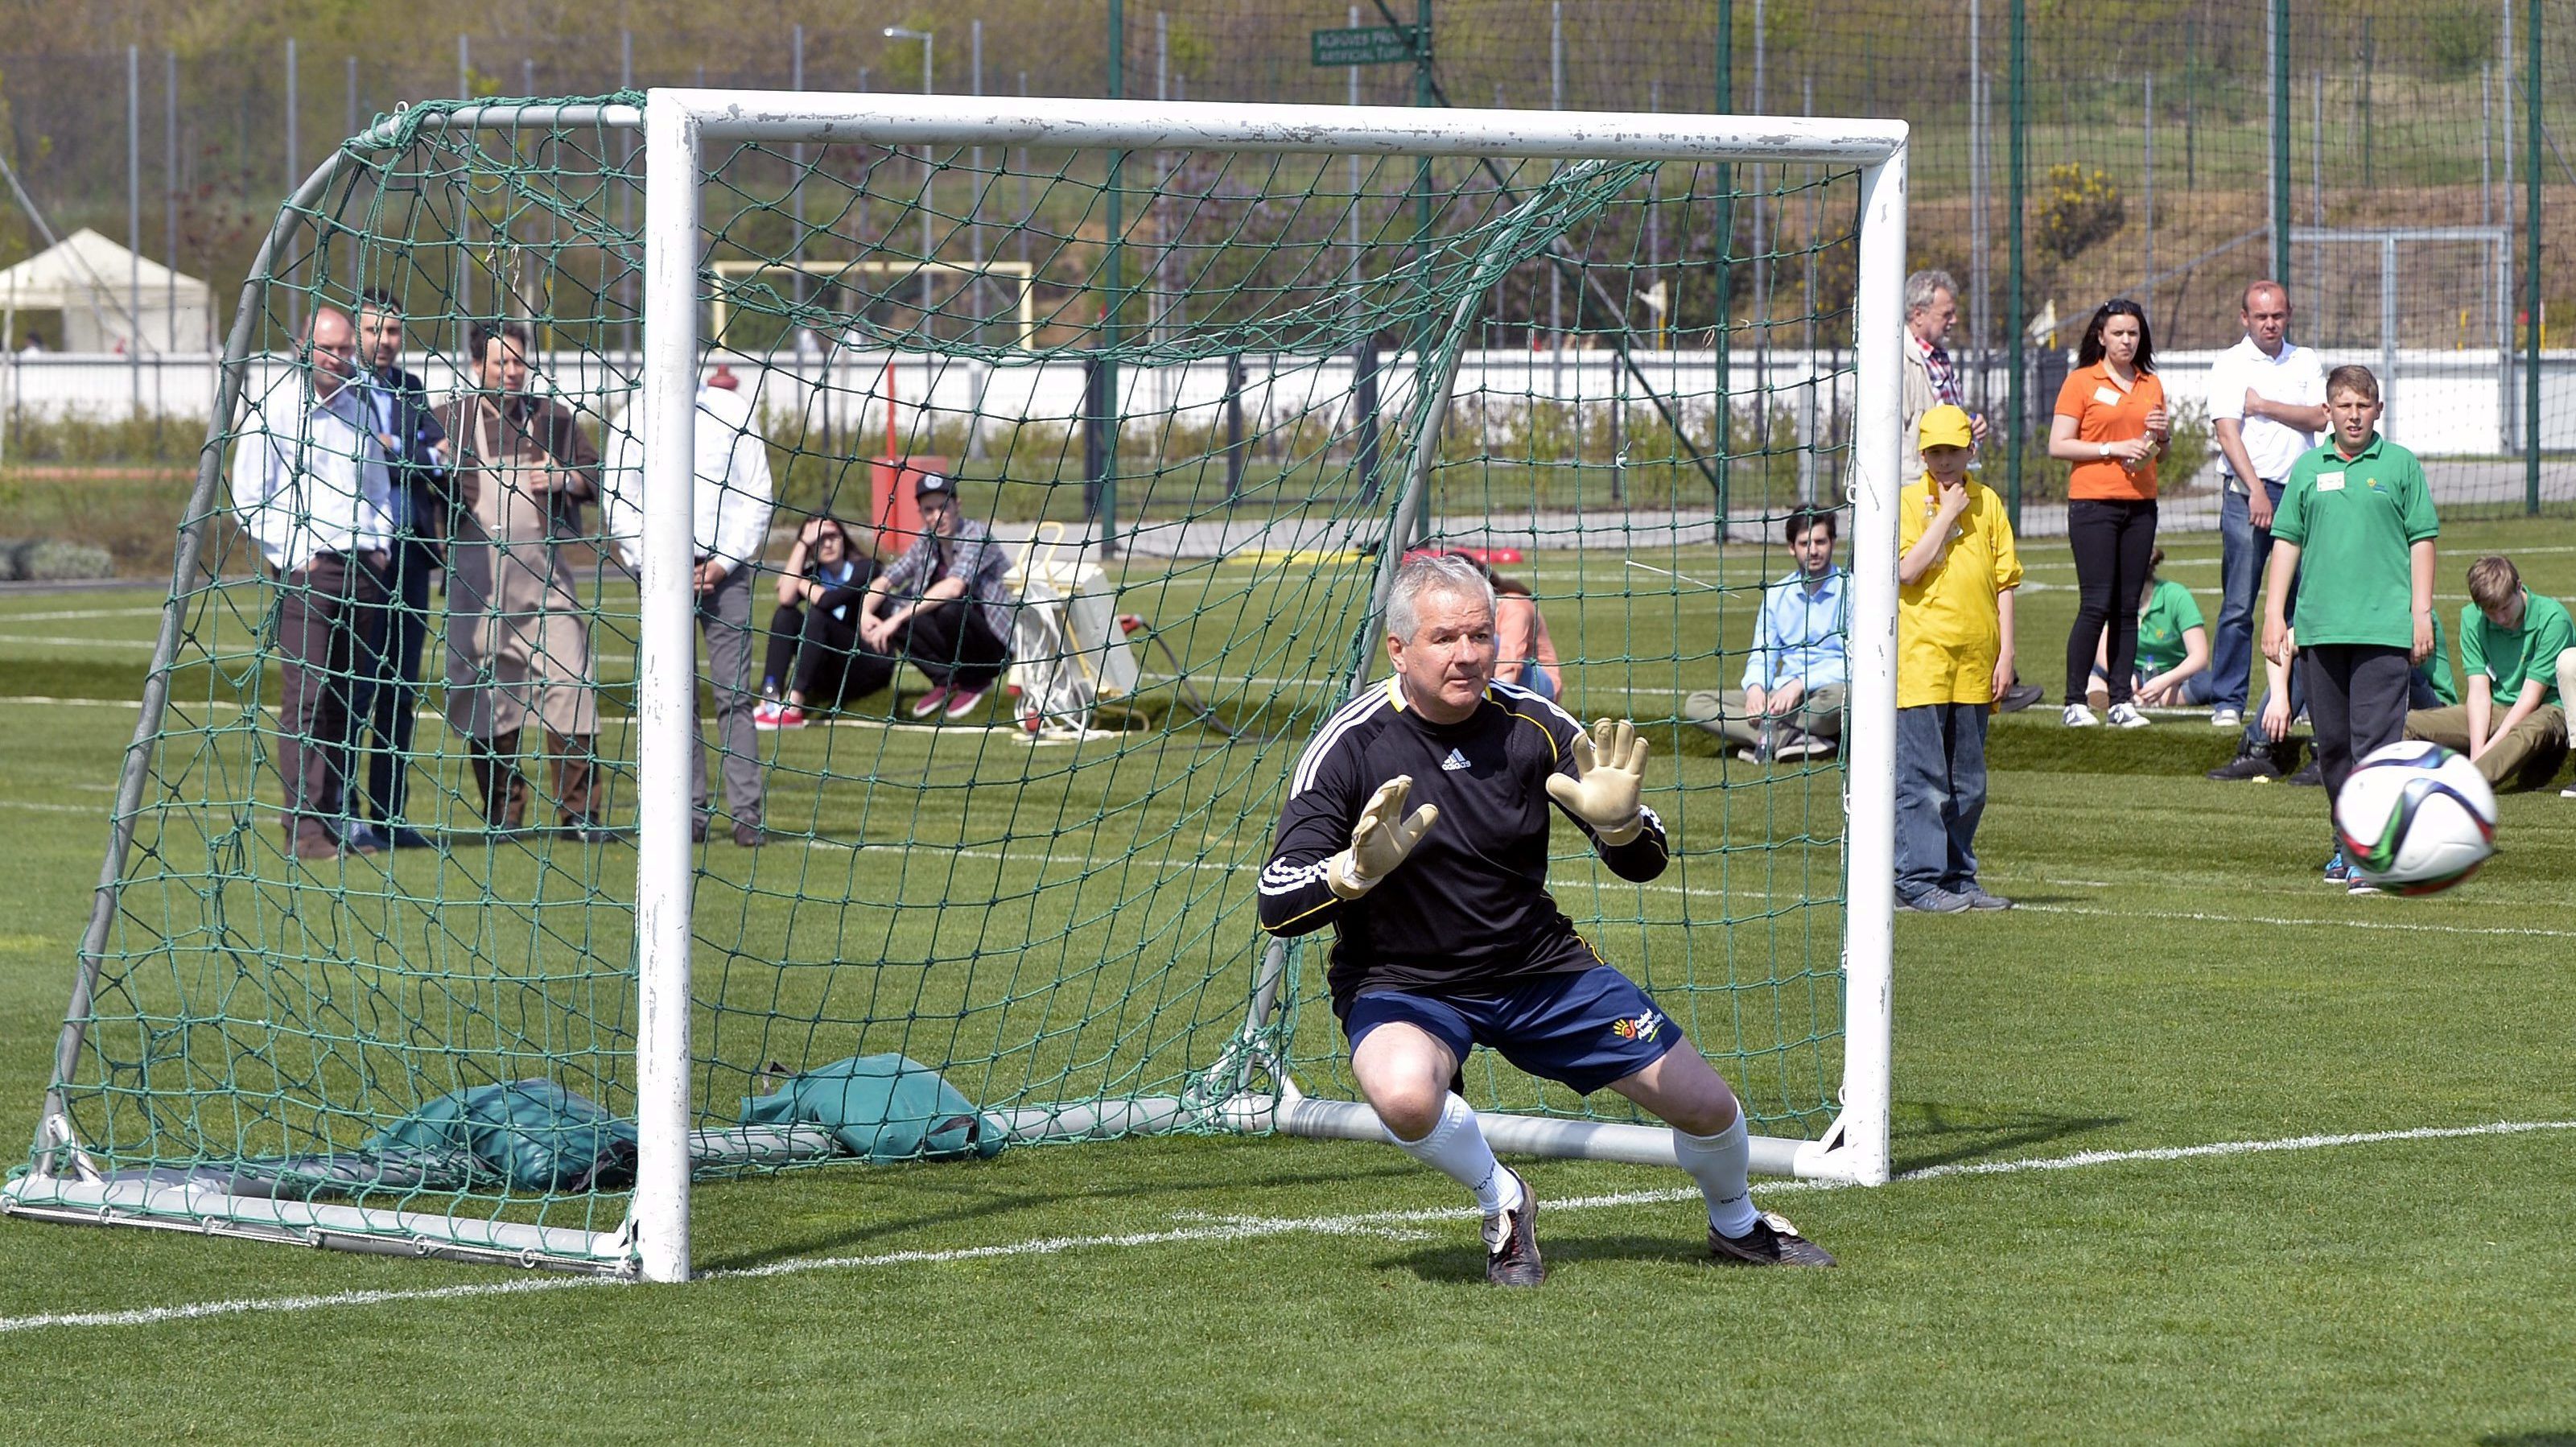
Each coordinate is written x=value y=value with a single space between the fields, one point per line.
x=933 y=484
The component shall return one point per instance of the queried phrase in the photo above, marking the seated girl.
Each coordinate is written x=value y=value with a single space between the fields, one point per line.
x=814 y=647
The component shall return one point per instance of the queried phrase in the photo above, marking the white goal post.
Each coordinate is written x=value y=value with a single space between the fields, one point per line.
x=678 y=123
x=286 y=1185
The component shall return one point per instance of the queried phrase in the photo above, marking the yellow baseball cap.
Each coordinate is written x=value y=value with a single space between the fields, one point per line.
x=1945 y=426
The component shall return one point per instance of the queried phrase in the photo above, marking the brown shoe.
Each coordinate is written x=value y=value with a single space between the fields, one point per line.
x=313 y=844
x=496 y=772
x=750 y=836
x=1512 y=1259
x=568 y=775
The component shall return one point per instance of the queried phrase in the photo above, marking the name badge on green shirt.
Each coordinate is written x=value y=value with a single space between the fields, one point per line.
x=2329 y=482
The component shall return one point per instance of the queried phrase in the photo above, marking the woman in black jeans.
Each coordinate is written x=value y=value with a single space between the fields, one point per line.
x=814 y=647
x=2111 y=424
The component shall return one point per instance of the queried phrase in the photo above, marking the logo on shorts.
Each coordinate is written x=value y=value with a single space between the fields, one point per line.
x=1454 y=762
x=1638 y=1027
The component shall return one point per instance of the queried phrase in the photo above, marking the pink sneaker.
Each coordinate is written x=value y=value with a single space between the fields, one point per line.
x=929 y=703
x=790 y=717
x=764 y=715
x=962 y=701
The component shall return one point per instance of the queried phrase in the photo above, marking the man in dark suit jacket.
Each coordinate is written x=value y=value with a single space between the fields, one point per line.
x=396 y=406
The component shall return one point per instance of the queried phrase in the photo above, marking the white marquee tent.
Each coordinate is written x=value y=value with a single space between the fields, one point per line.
x=109 y=297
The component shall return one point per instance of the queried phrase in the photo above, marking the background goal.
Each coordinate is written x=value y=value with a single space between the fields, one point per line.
x=1227 y=365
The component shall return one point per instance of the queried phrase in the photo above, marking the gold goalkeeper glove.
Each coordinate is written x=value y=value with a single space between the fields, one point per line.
x=1609 y=774
x=1381 y=839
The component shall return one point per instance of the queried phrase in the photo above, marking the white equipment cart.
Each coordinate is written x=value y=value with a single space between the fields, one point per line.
x=1068 y=653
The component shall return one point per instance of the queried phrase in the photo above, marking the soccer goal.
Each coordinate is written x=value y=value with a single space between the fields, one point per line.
x=1251 y=356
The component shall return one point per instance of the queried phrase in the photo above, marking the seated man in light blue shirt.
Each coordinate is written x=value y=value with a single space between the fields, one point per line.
x=1791 y=701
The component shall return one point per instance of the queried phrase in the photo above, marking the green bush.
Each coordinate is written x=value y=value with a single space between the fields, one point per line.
x=50 y=560
x=137 y=440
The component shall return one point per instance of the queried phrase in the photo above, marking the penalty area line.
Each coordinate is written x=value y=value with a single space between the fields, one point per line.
x=1198 y=1227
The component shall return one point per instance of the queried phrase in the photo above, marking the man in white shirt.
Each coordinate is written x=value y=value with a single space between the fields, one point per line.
x=730 y=529
x=312 y=486
x=2267 y=399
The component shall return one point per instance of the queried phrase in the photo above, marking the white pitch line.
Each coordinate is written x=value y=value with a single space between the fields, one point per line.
x=44 y=641
x=2204 y=917
x=1397 y=1225
x=2234 y=1148
x=75 y=615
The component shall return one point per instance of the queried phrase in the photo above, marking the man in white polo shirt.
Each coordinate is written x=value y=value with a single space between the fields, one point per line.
x=2267 y=399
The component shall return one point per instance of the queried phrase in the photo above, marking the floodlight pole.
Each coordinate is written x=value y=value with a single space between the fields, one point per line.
x=666 y=688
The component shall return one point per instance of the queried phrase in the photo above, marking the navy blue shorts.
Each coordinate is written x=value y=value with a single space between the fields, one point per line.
x=1580 y=1030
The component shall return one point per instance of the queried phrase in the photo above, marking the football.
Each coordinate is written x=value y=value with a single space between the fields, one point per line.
x=2415 y=818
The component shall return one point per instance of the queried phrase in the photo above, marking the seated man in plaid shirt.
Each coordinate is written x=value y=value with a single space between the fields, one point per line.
x=944 y=606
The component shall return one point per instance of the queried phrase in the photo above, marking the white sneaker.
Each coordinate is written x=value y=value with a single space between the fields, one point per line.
x=2126 y=716
x=2080 y=717
x=2568 y=793
x=2226 y=718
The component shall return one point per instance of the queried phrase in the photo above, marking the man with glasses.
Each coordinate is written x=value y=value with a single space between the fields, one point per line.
x=310 y=481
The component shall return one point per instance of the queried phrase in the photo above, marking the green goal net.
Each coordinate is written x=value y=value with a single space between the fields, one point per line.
x=1190 y=404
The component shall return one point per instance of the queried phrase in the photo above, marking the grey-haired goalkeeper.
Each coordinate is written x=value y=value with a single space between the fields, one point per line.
x=1416 y=825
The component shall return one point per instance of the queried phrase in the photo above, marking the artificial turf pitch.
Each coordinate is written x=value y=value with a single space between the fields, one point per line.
x=2176 y=978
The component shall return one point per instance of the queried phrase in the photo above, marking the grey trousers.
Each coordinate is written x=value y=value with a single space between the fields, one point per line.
x=724 y=616
x=1819 y=712
x=324 y=613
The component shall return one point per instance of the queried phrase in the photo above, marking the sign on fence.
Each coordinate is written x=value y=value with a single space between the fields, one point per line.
x=1368 y=45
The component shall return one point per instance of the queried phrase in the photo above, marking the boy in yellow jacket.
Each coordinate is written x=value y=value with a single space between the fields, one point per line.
x=1956 y=571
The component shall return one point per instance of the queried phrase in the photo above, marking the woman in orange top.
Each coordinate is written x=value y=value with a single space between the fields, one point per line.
x=2111 y=424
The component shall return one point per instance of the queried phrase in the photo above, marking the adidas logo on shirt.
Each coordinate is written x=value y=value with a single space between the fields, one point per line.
x=1455 y=761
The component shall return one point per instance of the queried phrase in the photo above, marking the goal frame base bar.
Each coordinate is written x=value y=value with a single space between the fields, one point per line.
x=191 y=1200
x=173 y=1205
x=1823 y=1159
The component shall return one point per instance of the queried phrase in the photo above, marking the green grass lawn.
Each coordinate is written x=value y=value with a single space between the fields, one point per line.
x=2175 y=979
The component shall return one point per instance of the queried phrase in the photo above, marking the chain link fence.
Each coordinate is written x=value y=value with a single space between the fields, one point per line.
x=2397 y=162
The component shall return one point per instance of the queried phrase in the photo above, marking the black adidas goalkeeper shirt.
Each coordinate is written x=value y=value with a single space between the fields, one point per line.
x=1469 y=908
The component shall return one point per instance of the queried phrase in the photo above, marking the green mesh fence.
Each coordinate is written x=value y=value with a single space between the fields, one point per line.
x=1183 y=400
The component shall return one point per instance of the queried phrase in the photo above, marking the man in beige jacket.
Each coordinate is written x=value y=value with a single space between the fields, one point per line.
x=517 y=643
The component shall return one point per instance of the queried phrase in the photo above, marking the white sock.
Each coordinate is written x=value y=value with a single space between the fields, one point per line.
x=1456 y=1148
x=1719 y=1162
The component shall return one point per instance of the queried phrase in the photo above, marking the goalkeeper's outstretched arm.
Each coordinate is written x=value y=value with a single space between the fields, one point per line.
x=1379 y=841
x=1641 y=858
x=1296 y=896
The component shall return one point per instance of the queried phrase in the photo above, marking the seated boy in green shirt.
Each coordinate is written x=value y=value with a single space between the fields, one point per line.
x=2359 y=510
x=2173 y=648
x=2512 y=642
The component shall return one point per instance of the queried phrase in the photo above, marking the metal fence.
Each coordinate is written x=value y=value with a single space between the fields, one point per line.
x=2395 y=160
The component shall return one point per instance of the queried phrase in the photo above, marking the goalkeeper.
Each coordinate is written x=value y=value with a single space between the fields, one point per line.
x=1447 y=937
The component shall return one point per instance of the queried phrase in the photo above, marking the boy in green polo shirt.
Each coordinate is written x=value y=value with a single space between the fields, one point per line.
x=2510 y=643
x=2358 y=510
